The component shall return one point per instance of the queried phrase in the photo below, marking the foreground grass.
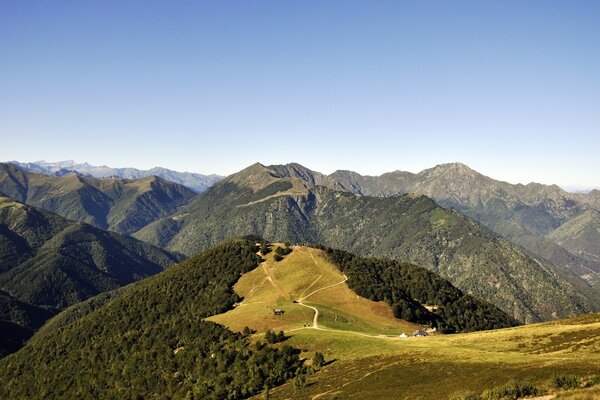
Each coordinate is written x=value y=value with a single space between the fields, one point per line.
x=366 y=359
x=449 y=366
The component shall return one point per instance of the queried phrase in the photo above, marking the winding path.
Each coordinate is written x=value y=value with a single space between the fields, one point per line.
x=315 y=323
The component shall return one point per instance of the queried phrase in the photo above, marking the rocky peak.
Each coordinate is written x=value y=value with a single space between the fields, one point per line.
x=449 y=170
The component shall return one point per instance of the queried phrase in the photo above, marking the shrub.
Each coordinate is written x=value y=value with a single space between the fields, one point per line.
x=318 y=360
x=511 y=391
x=248 y=331
x=272 y=337
x=264 y=248
x=299 y=381
x=566 y=382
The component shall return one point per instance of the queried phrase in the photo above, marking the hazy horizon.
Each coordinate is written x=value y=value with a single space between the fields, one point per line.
x=568 y=188
x=508 y=88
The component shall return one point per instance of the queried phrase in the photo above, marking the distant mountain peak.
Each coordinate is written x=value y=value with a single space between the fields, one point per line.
x=450 y=170
x=256 y=176
x=194 y=181
x=455 y=166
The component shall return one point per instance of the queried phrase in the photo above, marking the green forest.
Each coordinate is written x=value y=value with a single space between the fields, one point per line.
x=407 y=287
x=151 y=342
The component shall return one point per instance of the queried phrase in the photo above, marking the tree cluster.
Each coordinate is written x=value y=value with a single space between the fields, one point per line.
x=152 y=341
x=407 y=288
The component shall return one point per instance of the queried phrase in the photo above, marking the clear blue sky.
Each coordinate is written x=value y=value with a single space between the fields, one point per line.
x=511 y=88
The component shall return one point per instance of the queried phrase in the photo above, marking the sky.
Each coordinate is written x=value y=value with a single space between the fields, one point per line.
x=510 y=88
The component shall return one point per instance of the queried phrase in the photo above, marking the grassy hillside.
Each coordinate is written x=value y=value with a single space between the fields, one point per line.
x=48 y=261
x=151 y=341
x=262 y=200
x=306 y=275
x=122 y=205
x=335 y=290
x=461 y=366
x=157 y=339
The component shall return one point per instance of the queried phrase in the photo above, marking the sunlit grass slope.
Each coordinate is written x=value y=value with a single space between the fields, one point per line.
x=306 y=275
x=449 y=366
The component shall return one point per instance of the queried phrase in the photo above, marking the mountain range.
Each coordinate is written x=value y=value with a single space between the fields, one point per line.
x=48 y=263
x=194 y=181
x=153 y=336
x=121 y=205
x=83 y=268
x=366 y=215
x=557 y=225
x=286 y=203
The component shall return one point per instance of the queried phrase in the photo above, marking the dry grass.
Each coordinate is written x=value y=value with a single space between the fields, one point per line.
x=276 y=285
x=449 y=365
x=381 y=367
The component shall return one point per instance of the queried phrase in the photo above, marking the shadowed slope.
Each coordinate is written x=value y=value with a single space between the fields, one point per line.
x=122 y=205
x=151 y=340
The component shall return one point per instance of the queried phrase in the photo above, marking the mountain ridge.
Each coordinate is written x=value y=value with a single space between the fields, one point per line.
x=278 y=204
x=48 y=263
x=122 y=205
x=195 y=181
x=525 y=214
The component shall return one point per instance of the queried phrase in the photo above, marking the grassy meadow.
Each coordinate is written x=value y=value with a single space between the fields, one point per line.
x=365 y=358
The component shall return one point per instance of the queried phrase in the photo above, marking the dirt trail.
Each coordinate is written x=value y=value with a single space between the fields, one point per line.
x=323 y=288
x=273 y=281
x=251 y=293
x=315 y=322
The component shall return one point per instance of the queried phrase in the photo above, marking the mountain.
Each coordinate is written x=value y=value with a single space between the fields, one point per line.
x=121 y=205
x=531 y=215
x=581 y=237
x=18 y=322
x=152 y=341
x=157 y=338
x=196 y=182
x=352 y=294
x=282 y=203
x=48 y=262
